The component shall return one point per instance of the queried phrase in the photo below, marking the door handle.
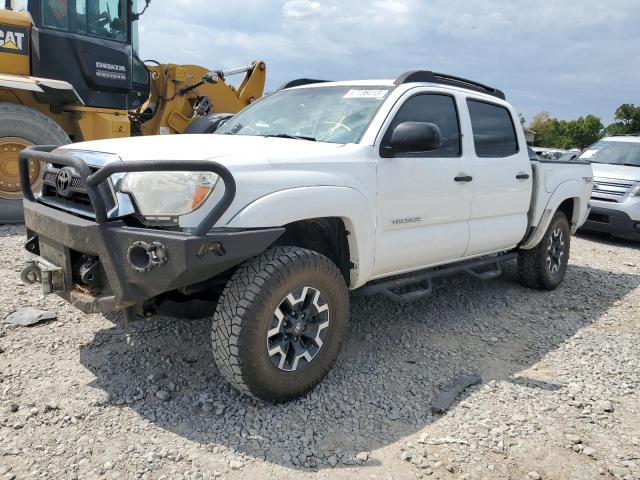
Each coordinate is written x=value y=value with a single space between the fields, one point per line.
x=522 y=176
x=463 y=178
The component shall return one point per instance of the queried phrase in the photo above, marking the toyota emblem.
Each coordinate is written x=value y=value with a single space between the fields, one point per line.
x=63 y=182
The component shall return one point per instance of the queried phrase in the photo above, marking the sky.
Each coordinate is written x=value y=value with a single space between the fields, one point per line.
x=567 y=57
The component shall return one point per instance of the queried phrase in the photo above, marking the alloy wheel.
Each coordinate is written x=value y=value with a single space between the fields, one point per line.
x=555 y=251
x=298 y=329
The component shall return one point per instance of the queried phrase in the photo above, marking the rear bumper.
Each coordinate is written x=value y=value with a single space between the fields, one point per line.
x=614 y=222
x=177 y=259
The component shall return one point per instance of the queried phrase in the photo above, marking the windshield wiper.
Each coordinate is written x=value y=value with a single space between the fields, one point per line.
x=286 y=135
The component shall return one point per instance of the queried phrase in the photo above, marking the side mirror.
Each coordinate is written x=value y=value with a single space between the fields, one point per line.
x=412 y=137
x=136 y=16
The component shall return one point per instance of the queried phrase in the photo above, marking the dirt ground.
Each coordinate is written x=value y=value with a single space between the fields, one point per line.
x=89 y=396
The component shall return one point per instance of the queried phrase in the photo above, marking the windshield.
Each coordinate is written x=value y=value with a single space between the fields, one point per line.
x=323 y=114
x=614 y=153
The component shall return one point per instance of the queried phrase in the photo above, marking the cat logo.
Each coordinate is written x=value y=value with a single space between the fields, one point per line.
x=14 y=40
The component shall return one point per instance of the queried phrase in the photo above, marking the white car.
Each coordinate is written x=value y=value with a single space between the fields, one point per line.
x=616 y=190
x=315 y=190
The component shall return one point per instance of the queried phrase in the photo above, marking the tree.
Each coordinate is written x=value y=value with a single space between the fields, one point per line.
x=554 y=133
x=626 y=121
x=582 y=132
x=548 y=130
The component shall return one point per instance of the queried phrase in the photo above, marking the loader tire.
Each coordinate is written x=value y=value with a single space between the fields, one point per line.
x=280 y=323
x=544 y=266
x=21 y=127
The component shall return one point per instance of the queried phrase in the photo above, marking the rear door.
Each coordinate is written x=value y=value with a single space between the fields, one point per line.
x=423 y=211
x=502 y=178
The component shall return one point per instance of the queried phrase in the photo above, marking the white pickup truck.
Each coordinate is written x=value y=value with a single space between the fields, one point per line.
x=315 y=190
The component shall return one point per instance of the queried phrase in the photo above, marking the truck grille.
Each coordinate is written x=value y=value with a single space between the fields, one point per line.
x=71 y=194
x=612 y=189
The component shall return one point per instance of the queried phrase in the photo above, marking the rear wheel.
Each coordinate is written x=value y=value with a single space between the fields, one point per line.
x=544 y=266
x=280 y=323
x=21 y=127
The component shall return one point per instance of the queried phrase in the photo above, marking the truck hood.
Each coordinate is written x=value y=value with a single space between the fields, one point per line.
x=620 y=172
x=260 y=166
x=206 y=147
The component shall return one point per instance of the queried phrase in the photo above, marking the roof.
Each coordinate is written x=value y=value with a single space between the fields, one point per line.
x=411 y=77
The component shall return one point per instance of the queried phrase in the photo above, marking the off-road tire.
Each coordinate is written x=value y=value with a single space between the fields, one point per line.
x=28 y=124
x=245 y=312
x=534 y=269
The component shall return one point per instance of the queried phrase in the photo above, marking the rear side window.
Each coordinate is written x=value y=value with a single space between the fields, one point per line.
x=493 y=132
x=439 y=110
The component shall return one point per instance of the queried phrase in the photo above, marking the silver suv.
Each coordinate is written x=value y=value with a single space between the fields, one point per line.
x=616 y=191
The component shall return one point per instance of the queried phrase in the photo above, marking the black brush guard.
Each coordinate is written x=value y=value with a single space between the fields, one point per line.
x=94 y=181
x=177 y=259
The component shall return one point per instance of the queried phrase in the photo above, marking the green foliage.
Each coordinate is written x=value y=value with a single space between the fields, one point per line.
x=583 y=131
x=566 y=134
x=627 y=120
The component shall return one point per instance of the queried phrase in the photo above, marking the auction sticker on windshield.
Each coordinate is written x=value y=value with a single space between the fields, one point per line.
x=366 y=93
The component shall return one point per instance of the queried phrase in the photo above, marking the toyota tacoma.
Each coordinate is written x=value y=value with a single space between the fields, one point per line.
x=377 y=187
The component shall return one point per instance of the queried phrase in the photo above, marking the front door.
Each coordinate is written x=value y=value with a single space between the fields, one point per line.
x=423 y=201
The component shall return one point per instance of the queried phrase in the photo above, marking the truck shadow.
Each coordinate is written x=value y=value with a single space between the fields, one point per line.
x=394 y=363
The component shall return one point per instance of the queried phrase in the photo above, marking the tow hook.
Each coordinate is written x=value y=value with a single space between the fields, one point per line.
x=49 y=275
x=145 y=256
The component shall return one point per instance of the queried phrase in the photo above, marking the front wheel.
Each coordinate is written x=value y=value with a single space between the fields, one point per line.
x=544 y=266
x=280 y=323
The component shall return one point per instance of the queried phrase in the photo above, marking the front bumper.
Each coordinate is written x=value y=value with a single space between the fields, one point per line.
x=611 y=221
x=62 y=241
x=103 y=266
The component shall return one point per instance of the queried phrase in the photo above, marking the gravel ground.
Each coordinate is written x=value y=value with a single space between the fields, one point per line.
x=89 y=396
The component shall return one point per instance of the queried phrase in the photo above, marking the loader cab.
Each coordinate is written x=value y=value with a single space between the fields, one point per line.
x=90 y=44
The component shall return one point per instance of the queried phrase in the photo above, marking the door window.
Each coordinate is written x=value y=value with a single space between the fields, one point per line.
x=98 y=18
x=493 y=132
x=107 y=19
x=55 y=14
x=437 y=109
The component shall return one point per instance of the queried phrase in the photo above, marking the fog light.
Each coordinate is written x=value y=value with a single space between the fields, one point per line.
x=144 y=256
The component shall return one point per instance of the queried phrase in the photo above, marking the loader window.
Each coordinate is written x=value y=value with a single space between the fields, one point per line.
x=107 y=19
x=98 y=18
x=55 y=14
x=20 y=5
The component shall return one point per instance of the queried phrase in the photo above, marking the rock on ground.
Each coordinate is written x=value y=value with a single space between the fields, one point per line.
x=90 y=396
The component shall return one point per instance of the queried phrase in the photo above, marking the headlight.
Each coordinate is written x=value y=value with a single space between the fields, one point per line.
x=165 y=195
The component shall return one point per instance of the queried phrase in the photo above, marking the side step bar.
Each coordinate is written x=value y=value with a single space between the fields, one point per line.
x=484 y=269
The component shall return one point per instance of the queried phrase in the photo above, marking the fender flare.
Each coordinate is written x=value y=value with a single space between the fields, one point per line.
x=565 y=191
x=276 y=210
x=52 y=92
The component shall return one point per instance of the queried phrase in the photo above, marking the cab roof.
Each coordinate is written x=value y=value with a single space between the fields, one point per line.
x=412 y=76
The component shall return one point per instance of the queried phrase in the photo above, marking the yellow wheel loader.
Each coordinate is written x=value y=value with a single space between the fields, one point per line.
x=70 y=72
